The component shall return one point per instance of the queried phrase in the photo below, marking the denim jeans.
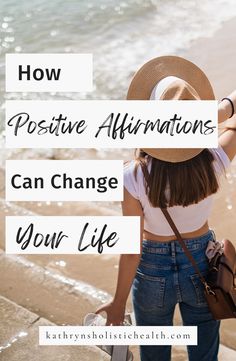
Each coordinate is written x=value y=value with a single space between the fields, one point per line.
x=166 y=277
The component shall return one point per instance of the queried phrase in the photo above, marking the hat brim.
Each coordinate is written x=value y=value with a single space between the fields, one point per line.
x=150 y=74
x=158 y=68
x=173 y=155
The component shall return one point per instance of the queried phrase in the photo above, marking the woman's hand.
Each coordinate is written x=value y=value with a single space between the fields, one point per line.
x=115 y=313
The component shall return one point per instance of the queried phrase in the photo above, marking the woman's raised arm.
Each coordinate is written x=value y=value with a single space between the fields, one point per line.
x=227 y=138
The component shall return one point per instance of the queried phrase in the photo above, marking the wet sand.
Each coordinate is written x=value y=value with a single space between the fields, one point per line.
x=216 y=56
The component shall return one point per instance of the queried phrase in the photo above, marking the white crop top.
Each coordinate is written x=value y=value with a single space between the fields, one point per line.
x=187 y=219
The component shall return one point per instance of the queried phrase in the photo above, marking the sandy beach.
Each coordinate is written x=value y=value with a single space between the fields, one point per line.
x=216 y=56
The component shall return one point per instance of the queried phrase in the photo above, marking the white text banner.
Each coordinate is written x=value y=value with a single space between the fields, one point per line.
x=64 y=180
x=111 y=124
x=72 y=235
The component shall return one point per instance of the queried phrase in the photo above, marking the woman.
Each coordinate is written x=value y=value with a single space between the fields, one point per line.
x=184 y=181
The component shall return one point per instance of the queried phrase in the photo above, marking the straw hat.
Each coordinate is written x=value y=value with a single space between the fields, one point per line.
x=170 y=78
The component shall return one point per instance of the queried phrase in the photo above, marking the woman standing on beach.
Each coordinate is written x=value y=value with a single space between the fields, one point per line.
x=183 y=181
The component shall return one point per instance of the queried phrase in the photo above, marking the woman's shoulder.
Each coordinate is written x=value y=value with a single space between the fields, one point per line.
x=221 y=158
x=132 y=170
x=132 y=178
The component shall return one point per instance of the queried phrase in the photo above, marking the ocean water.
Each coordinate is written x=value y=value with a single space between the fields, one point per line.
x=122 y=35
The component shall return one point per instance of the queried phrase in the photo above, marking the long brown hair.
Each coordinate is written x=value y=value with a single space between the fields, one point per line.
x=183 y=183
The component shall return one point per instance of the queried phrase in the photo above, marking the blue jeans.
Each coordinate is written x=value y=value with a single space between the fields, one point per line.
x=166 y=277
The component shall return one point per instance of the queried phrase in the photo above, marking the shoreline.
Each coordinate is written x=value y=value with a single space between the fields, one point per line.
x=216 y=57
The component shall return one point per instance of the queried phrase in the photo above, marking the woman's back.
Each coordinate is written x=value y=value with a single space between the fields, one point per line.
x=187 y=219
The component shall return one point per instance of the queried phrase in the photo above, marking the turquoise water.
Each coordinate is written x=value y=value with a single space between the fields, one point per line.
x=122 y=35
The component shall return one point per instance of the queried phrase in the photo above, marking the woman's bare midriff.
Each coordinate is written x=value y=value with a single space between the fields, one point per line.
x=156 y=238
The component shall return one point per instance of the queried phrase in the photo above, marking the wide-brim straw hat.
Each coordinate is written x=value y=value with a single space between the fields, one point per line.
x=191 y=84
